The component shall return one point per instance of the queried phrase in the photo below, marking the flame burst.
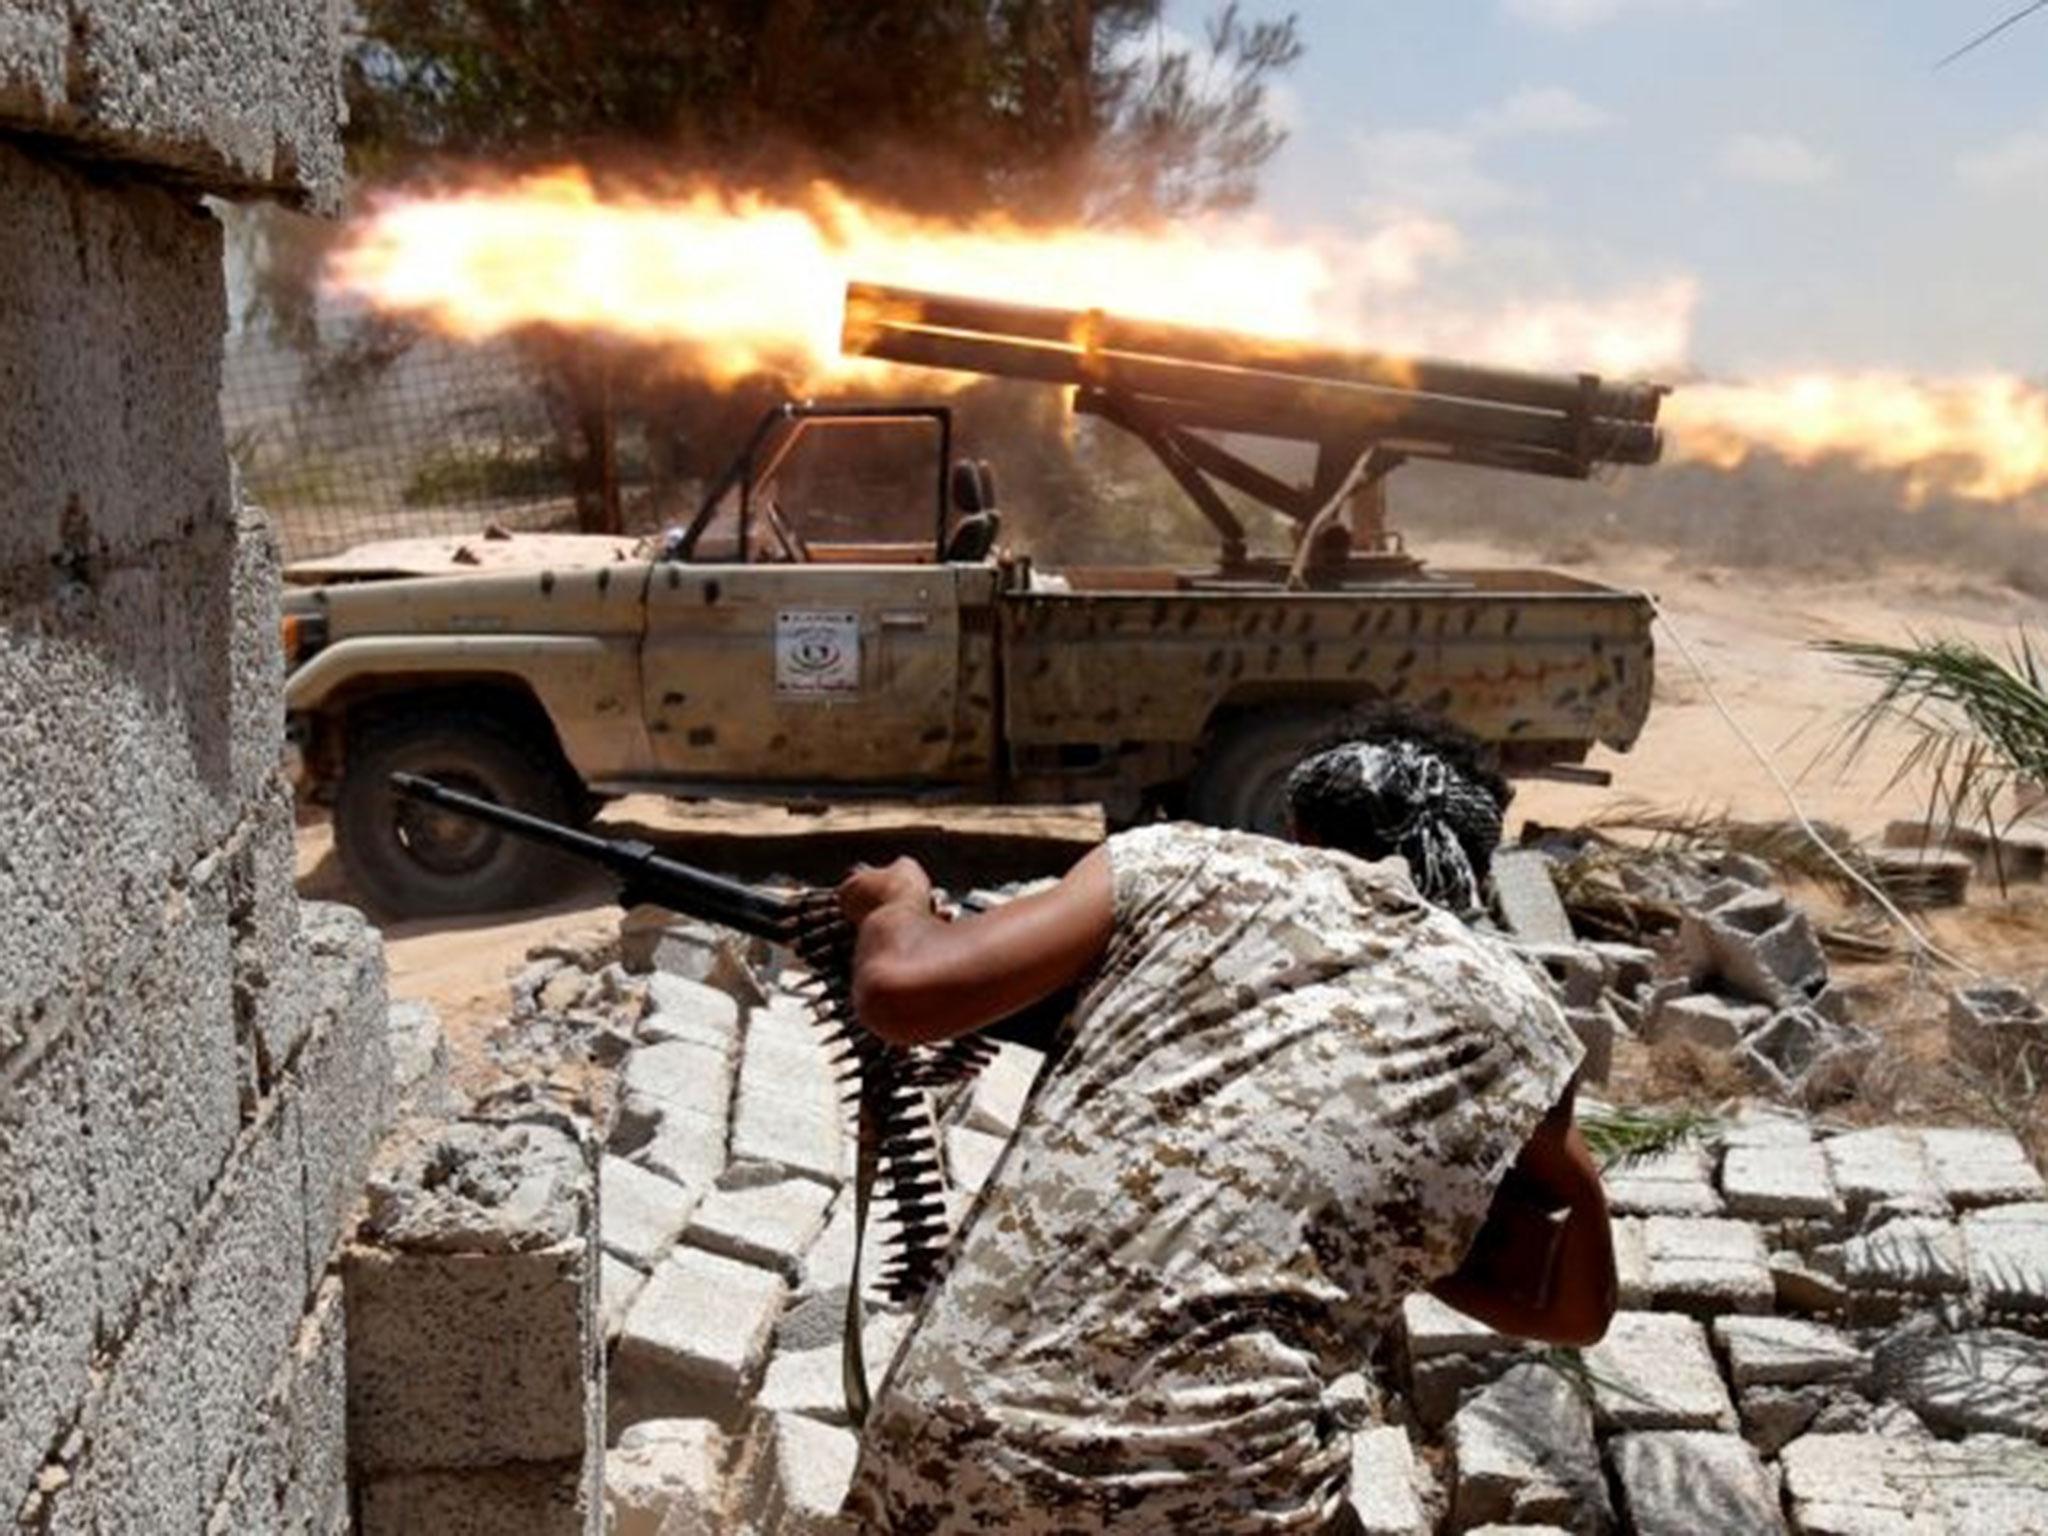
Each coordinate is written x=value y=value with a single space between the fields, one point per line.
x=740 y=283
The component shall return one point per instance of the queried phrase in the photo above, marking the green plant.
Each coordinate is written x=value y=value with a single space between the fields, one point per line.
x=1621 y=1138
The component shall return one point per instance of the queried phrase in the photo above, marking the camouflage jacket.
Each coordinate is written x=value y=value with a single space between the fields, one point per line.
x=1282 y=1104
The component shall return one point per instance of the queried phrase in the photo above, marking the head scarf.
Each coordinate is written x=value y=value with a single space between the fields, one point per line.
x=1413 y=801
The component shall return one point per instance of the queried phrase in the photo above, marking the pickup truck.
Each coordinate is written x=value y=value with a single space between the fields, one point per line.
x=758 y=653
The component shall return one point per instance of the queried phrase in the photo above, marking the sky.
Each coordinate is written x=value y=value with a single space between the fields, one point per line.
x=1797 y=170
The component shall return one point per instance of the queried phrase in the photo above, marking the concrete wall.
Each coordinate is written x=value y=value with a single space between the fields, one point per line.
x=190 y=1076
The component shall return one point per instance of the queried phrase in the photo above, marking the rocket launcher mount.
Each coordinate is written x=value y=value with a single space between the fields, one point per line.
x=1364 y=413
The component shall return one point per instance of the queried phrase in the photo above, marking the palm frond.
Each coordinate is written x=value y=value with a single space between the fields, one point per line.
x=1620 y=1138
x=1784 y=845
x=1976 y=724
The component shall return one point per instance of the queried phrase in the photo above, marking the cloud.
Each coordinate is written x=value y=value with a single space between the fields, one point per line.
x=1571 y=15
x=1439 y=169
x=1774 y=159
x=1538 y=110
x=2019 y=159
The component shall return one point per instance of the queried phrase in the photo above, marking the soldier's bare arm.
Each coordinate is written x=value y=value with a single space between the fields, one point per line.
x=918 y=978
x=1526 y=1277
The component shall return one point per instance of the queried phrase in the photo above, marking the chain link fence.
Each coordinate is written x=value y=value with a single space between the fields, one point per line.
x=387 y=434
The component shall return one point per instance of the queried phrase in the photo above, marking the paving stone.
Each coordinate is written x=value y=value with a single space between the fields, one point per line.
x=772 y=1225
x=1001 y=1088
x=1527 y=897
x=1704 y=1019
x=1788 y=1352
x=1523 y=1450
x=1916 y=1255
x=1655 y=1371
x=1982 y=1167
x=666 y=1477
x=812 y=1382
x=1990 y=1381
x=1631 y=1263
x=1695 y=1483
x=799 y=1472
x=1776 y=1181
x=1674 y=1183
x=1707 y=1266
x=1385 y=1478
x=617 y=1284
x=640 y=1213
x=696 y=1338
x=1433 y=1328
x=1804 y=1287
x=2008 y=1252
x=1878 y=1485
x=1885 y=1163
x=971 y=1156
x=691 y=1011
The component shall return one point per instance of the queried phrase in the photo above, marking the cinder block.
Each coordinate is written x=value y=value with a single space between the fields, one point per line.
x=45 y=1256
x=642 y=1212
x=1788 y=1352
x=1524 y=1452
x=1784 y=1180
x=679 y=1008
x=1385 y=1484
x=696 y=1338
x=617 y=1284
x=798 y=1472
x=533 y=1499
x=666 y=1477
x=162 y=1103
x=343 y=1076
x=770 y=1225
x=248 y=1290
x=677 y=1076
x=273 y=1010
x=800 y=1132
x=1683 y=1483
x=1916 y=1255
x=2008 y=1248
x=1883 y=1164
x=1675 y=1183
x=1981 y=1167
x=292 y=1473
x=472 y=1324
x=1707 y=1267
x=237 y=96
x=686 y=1149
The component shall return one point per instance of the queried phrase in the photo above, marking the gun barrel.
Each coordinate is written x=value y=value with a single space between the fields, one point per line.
x=646 y=875
x=1555 y=422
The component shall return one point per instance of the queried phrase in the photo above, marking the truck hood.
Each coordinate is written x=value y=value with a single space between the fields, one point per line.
x=462 y=555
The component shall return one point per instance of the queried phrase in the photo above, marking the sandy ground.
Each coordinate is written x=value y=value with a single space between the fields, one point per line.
x=1752 y=635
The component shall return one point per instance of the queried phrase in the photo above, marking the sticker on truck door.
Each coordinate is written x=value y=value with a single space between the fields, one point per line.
x=817 y=655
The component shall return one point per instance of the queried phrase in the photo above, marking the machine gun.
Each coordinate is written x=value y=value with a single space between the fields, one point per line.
x=899 y=1150
x=1362 y=413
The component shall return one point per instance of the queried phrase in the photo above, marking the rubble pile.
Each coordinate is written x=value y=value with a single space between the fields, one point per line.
x=1822 y=1329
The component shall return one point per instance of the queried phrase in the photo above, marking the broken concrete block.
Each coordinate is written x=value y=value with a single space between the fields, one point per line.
x=470 y=1426
x=666 y=1477
x=1915 y=1255
x=1704 y=1019
x=1683 y=1483
x=1877 y=1485
x=1923 y=879
x=1678 y=1182
x=1595 y=1028
x=1576 y=975
x=419 y=1054
x=1523 y=1451
x=1630 y=968
x=1707 y=1267
x=1431 y=1328
x=1982 y=1167
x=1885 y=1163
x=771 y=1225
x=655 y=939
x=1786 y=1180
x=1386 y=1483
x=798 y=1472
x=1773 y=1417
x=1655 y=1371
x=1527 y=897
x=1999 y=1028
x=1756 y=948
x=1803 y=1287
x=642 y=1213
x=1787 y=1352
x=1801 y=1053
x=696 y=1338
x=2008 y=1252
x=1988 y=1381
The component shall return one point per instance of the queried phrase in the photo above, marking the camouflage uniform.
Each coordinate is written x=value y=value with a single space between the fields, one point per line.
x=1284 y=1103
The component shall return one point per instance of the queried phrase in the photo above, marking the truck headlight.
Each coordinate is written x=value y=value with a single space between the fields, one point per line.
x=301 y=634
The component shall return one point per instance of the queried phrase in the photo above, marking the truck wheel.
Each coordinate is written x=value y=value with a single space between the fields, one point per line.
x=410 y=860
x=1242 y=779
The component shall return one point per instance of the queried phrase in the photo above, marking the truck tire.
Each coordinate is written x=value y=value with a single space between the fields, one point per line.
x=1242 y=779
x=410 y=860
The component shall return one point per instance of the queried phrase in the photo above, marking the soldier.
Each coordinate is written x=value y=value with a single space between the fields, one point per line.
x=1295 y=1089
